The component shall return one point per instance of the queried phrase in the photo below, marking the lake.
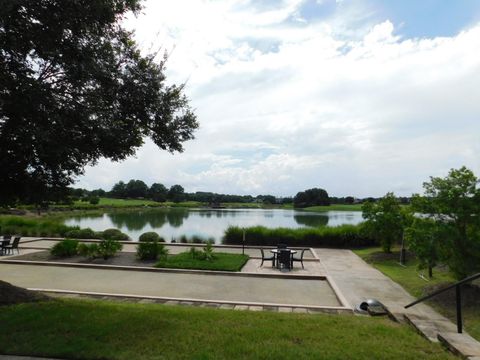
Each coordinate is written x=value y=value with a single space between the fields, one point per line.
x=208 y=223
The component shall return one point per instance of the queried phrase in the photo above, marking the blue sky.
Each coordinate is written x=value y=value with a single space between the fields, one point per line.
x=358 y=97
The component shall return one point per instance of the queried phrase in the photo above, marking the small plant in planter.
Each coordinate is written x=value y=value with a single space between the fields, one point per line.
x=65 y=248
x=88 y=250
x=208 y=251
x=151 y=250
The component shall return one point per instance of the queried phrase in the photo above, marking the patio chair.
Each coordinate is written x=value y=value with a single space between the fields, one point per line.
x=284 y=259
x=14 y=245
x=267 y=258
x=299 y=259
x=281 y=246
x=3 y=246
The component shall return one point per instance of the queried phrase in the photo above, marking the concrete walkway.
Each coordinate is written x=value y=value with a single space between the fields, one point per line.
x=359 y=281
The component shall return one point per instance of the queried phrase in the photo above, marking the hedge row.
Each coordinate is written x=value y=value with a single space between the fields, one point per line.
x=344 y=236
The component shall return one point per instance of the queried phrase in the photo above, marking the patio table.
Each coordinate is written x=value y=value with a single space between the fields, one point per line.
x=276 y=251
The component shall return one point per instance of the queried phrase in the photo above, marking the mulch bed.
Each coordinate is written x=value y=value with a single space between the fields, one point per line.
x=120 y=259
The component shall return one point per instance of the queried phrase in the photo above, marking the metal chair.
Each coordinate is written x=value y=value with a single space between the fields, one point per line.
x=267 y=258
x=13 y=246
x=299 y=259
x=284 y=259
x=3 y=246
x=281 y=246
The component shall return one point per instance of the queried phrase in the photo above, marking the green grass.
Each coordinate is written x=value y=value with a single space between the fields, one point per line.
x=221 y=262
x=85 y=329
x=408 y=277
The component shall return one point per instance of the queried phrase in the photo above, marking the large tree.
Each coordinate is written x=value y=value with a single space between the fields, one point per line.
x=453 y=203
x=73 y=88
x=311 y=197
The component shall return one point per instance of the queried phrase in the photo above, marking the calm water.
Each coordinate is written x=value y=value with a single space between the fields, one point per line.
x=173 y=223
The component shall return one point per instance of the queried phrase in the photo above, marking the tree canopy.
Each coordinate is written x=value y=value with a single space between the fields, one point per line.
x=74 y=87
x=311 y=197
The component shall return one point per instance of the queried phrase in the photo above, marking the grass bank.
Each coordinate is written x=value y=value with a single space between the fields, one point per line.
x=220 y=262
x=75 y=329
x=409 y=278
x=30 y=226
x=344 y=236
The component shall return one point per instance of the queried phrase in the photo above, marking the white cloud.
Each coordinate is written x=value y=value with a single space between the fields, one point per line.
x=285 y=105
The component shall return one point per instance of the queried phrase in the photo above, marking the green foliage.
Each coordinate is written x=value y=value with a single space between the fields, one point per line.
x=151 y=250
x=104 y=249
x=311 y=197
x=65 y=248
x=150 y=236
x=113 y=234
x=453 y=203
x=108 y=248
x=206 y=254
x=345 y=236
x=86 y=233
x=75 y=87
x=385 y=220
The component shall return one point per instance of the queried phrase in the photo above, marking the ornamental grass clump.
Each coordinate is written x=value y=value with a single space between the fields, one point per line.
x=65 y=248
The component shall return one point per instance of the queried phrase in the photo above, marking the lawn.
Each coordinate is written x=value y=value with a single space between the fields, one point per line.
x=86 y=329
x=409 y=278
x=221 y=262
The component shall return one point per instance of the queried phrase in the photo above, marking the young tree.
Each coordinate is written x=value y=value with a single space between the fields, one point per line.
x=385 y=220
x=453 y=203
x=423 y=238
x=74 y=87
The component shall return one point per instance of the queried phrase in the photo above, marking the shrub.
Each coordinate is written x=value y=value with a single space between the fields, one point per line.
x=82 y=234
x=88 y=250
x=108 y=248
x=151 y=236
x=151 y=250
x=105 y=249
x=344 y=236
x=113 y=234
x=65 y=248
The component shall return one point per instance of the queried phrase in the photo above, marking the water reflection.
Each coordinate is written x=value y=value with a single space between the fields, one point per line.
x=208 y=223
x=311 y=220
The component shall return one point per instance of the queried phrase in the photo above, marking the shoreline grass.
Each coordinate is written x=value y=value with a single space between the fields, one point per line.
x=87 y=329
x=220 y=262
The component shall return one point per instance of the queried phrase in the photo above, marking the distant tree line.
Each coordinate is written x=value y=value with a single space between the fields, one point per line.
x=137 y=189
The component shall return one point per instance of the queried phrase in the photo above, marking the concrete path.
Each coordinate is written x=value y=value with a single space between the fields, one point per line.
x=359 y=281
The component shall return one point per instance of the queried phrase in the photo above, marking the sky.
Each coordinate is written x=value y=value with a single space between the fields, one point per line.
x=358 y=97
